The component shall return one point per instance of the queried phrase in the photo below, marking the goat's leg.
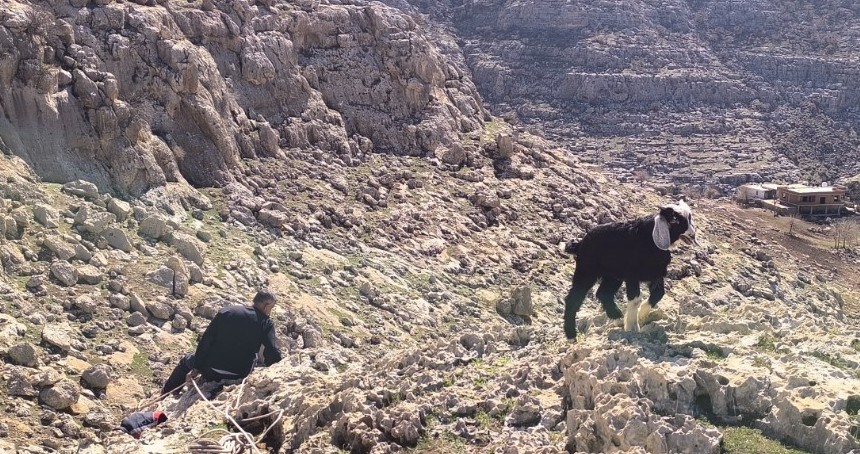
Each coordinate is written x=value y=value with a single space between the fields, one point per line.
x=606 y=295
x=582 y=283
x=634 y=296
x=657 y=290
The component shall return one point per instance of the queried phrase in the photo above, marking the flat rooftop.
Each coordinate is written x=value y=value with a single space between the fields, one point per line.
x=815 y=190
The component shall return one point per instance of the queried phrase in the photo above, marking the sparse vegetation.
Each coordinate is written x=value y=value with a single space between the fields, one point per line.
x=714 y=353
x=140 y=367
x=833 y=360
x=745 y=440
x=447 y=443
x=766 y=342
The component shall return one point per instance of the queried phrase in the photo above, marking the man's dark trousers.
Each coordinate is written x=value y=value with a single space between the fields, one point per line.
x=186 y=364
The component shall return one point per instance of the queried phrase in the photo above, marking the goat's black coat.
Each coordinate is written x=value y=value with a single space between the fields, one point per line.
x=621 y=252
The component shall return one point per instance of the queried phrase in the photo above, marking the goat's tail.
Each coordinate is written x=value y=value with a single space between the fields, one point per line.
x=571 y=247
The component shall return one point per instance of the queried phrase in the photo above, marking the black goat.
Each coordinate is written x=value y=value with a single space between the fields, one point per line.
x=626 y=252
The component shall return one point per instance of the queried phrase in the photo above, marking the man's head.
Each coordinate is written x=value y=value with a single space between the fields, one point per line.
x=264 y=301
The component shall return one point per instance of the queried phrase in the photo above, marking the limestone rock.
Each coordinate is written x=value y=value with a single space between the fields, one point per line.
x=155 y=227
x=24 y=354
x=92 y=221
x=46 y=215
x=137 y=305
x=161 y=311
x=191 y=248
x=81 y=188
x=122 y=210
x=61 y=395
x=62 y=249
x=98 y=376
x=526 y=412
x=81 y=253
x=118 y=239
x=64 y=272
x=86 y=304
x=136 y=319
x=89 y=274
x=163 y=276
x=58 y=336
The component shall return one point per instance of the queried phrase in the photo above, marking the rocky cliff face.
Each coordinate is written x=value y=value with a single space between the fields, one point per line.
x=706 y=75
x=134 y=95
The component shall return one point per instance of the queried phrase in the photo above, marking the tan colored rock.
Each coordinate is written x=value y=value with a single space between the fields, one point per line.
x=191 y=248
x=46 y=215
x=117 y=238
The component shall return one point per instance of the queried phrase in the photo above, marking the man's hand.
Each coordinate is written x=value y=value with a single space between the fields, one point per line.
x=191 y=375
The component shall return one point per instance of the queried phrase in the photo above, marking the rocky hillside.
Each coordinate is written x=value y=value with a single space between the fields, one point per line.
x=680 y=87
x=164 y=159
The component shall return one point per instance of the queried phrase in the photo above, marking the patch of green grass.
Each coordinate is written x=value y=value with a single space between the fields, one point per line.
x=483 y=419
x=715 y=353
x=766 y=342
x=745 y=440
x=480 y=382
x=140 y=367
x=447 y=443
x=491 y=129
x=834 y=361
x=852 y=407
x=855 y=344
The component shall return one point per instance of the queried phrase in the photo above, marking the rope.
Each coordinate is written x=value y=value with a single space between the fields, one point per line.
x=143 y=404
x=252 y=446
x=231 y=443
x=271 y=426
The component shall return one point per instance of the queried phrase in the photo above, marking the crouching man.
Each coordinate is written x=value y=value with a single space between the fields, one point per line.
x=230 y=344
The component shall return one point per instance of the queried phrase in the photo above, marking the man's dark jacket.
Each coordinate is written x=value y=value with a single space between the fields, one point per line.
x=233 y=338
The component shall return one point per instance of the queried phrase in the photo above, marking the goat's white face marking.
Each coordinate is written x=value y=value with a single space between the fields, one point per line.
x=684 y=210
x=631 y=318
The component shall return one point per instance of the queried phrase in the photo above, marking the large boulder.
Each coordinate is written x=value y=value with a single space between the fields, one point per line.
x=89 y=274
x=24 y=354
x=154 y=227
x=98 y=376
x=191 y=248
x=61 y=395
x=58 y=336
x=46 y=215
x=159 y=310
x=92 y=221
x=60 y=248
x=64 y=273
x=82 y=188
x=122 y=210
x=118 y=239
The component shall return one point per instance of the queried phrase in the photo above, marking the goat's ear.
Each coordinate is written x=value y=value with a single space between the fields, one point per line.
x=660 y=234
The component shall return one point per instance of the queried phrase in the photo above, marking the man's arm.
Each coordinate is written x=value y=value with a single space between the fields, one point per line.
x=271 y=351
x=204 y=347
